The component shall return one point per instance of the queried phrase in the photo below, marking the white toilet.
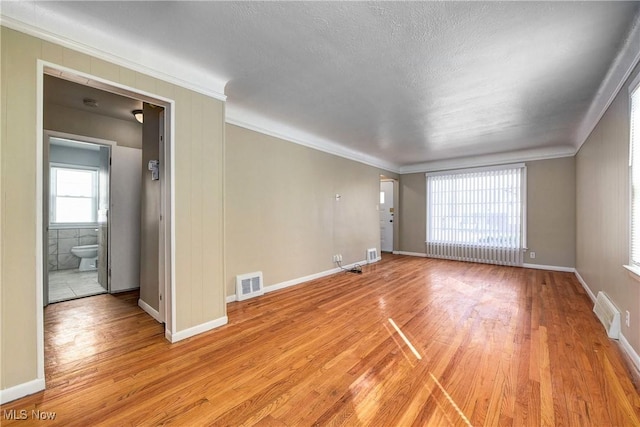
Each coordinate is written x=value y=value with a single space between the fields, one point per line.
x=88 y=255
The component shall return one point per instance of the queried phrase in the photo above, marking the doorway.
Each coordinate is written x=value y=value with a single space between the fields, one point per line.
x=387 y=212
x=122 y=179
x=76 y=206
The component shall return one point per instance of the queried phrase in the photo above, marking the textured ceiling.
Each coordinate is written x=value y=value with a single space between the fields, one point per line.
x=400 y=82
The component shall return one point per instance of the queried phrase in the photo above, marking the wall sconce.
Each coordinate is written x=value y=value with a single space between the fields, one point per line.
x=138 y=115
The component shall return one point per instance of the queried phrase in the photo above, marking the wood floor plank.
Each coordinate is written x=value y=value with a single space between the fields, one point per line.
x=474 y=345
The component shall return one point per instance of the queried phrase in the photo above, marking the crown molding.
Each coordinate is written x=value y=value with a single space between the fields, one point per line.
x=626 y=60
x=545 y=153
x=255 y=122
x=175 y=72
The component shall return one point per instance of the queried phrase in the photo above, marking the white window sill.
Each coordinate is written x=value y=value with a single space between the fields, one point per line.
x=634 y=271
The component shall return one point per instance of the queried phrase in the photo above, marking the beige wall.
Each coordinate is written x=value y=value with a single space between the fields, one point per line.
x=602 y=177
x=550 y=212
x=199 y=134
x=281 y=214
x=71 y=120
x=413 y=213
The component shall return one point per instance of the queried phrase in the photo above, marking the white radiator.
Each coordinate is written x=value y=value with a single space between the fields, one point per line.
x=608 y=314
x=476 y=253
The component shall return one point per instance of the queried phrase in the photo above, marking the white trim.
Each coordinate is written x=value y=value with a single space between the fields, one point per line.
x=617 y=75
x=16 y=392
x=150 y=310
x=633 y=271
x=260 y=124
x=181 y=74
x=479 y=169
x=545 y=153
x=584 y=285
x=196 y=330
x=418 y=254
x=39 y=227
x=549 y=267
x=635 y=359
x=231 y=298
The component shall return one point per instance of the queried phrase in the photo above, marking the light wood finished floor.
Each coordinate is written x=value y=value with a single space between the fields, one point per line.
x=491 y=346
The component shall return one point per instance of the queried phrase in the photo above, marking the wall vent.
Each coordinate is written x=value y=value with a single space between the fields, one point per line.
x=249 y=285
x=608 y=314
x=372 y=255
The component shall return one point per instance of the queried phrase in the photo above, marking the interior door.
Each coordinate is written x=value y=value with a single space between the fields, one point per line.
x=103 y=217
x=386 y=216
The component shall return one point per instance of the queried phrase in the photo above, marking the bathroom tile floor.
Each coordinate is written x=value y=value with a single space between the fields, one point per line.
x=69 y=284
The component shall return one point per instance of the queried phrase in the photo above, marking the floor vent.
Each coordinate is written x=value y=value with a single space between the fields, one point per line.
x=372 y=255
x=608 y=314
x=249 y=285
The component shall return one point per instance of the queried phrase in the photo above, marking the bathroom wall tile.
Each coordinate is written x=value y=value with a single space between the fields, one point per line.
x=67 y=233
x=88 y=240
x=53 y=234
x=65 y=245
x=53 y=262
x=68 y=261
x=87 y=232
x=53 y=247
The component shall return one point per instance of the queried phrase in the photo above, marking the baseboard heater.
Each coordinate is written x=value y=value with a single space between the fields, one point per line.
x=608 y=314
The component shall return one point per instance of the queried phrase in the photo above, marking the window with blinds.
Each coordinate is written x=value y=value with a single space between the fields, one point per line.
x=477 y=214
x=634 y=173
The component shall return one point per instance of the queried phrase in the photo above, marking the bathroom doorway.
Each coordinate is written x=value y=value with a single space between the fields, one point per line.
x=76 y=216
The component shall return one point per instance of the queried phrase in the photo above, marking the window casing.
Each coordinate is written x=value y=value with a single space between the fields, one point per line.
x=634 y=175
x=74 y=195
x=477 y=214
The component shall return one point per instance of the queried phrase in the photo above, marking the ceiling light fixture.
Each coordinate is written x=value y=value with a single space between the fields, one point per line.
x=90 y=102
x=138 y=115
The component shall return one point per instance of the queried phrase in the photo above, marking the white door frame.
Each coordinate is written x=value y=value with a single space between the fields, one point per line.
x=168 y=270
x=48 y=134
x=392 y=214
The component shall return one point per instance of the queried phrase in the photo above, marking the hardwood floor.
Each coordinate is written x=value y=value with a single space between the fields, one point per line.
x=485 y=345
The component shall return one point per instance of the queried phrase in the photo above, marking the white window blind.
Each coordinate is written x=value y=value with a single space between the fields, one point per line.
x=477 y=215
x=635 y=176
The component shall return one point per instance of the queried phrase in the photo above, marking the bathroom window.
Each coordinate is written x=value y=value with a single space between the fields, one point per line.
x=74 y=195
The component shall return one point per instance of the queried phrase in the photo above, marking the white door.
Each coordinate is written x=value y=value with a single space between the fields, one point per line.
x=386 y=216
x=124 y=254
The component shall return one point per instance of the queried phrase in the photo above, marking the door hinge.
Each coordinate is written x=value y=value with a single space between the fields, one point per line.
x=110 y=160
x=109 y=272
x=160 y=297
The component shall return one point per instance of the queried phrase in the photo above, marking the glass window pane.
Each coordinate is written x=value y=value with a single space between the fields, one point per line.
x=73 y=209
x=77 y=183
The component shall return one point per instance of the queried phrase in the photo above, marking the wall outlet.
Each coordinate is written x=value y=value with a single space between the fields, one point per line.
x=627 y=318
x=532 y=255
x=337 y=258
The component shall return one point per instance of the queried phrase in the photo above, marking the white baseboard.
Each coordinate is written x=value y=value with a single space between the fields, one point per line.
x=549 y=267
x=300 y=280
x=420 y=254
x=150 y=310
x=21 y=390
x=231 y=298
x=584 y=285
x=635 y=359
x=195 y=330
